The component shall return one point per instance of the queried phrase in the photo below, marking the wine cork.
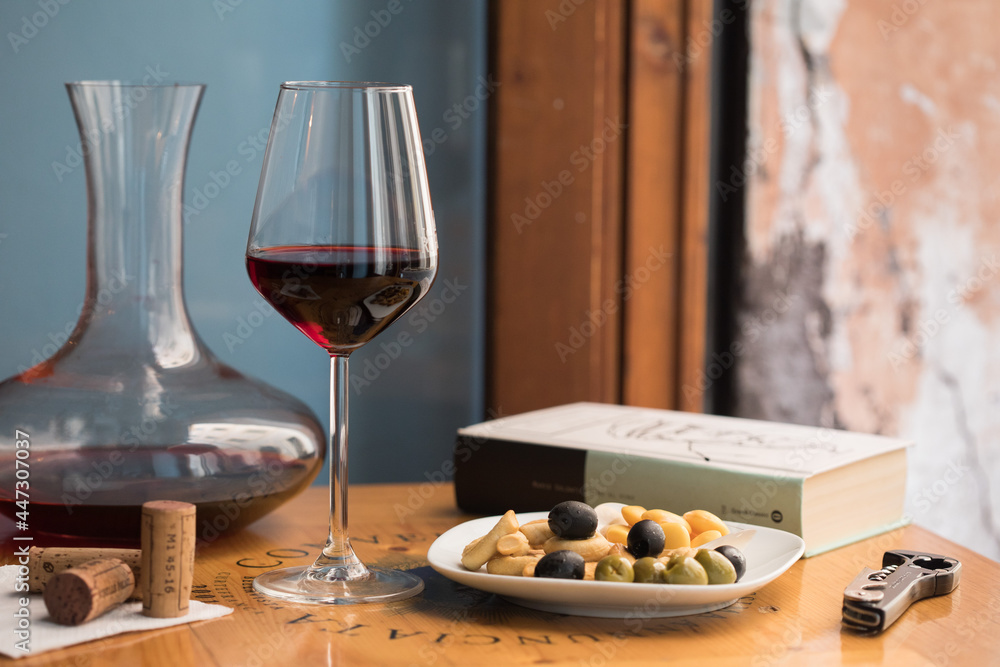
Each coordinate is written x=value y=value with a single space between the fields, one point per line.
x=167 y=565
x=88 y=590
x=46 y=562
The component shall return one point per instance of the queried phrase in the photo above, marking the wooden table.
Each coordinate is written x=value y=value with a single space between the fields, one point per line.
x=794 y=620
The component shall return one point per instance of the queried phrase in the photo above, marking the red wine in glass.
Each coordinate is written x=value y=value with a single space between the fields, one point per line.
x=342 y=243
x=340 y=296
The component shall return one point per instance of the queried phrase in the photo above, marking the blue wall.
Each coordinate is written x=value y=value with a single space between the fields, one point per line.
x=403 y=413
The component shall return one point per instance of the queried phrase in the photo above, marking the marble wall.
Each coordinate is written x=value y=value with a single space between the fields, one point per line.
x=871 y=275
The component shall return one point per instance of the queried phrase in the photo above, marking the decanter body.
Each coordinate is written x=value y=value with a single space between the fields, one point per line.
x=134 y=407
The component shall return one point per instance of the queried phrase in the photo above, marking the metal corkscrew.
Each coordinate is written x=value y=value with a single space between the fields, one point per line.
x=876 y=598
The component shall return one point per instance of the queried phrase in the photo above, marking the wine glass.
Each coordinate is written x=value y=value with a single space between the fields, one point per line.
x=342 y=243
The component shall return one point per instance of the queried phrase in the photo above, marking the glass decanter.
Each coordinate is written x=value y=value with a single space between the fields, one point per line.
x=134 y=407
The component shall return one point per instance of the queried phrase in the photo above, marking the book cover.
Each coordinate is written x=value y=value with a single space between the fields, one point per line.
x=764 y=473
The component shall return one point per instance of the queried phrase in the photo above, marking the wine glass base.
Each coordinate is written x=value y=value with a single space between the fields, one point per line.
x=295 y=585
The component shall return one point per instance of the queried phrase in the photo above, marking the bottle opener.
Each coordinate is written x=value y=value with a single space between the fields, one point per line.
x=876 y=598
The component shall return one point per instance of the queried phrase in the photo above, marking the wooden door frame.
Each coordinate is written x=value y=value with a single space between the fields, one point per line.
x=598 y=259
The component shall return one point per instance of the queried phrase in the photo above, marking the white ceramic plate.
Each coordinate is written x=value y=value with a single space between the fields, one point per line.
x=768 y=555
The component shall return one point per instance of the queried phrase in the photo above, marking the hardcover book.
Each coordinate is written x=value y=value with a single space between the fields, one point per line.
x=830 y=487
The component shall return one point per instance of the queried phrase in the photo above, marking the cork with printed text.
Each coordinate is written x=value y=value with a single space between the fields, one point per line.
x=167 y=565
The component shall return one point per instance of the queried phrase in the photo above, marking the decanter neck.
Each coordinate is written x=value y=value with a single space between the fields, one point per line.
x=135 y=141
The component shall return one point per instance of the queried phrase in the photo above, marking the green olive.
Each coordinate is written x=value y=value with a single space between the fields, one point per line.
x=648 y=570
x=676 y=559
x=687 y=572
x=615 y=568
x=717 y=567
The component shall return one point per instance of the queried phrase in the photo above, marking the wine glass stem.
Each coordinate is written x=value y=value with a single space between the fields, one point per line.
x=338 y=557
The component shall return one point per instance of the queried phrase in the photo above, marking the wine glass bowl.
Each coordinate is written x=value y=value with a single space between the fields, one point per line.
x=342 y=243
x=340 y=297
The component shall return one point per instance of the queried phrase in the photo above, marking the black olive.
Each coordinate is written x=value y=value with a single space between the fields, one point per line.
x=645 y=538
x=573 y=520
x=562 y=564
x=735 y=557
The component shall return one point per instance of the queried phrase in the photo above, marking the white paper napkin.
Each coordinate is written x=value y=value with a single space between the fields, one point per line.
x=44 y=635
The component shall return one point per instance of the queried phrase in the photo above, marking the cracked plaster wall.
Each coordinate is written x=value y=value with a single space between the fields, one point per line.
x=872 y=270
